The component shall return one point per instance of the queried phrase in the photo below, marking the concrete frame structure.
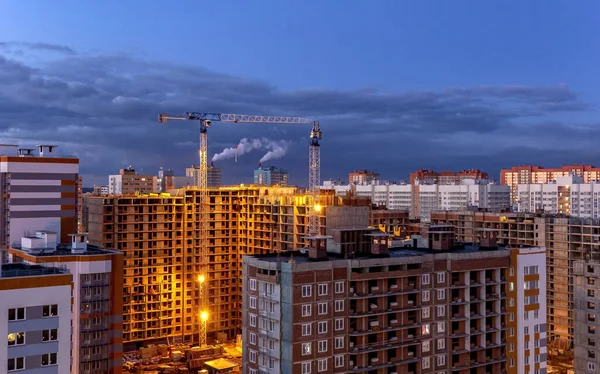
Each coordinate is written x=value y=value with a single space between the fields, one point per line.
x=415 y=310
x=97 y=297
x=158 y=236
x=445 y=177
x=35 y=314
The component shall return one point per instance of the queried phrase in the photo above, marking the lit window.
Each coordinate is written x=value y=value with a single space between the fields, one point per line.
x=16 y=338
x=306 y=349
x=50 y=310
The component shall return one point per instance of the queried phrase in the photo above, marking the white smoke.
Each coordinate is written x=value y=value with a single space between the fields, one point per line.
x=277 y=149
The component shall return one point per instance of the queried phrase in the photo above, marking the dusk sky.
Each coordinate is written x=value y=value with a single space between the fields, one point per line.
x=397 y=85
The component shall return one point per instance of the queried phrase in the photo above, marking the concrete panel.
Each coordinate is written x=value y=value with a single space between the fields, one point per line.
x=34 y=324
x=33 y=349
x=43 y=201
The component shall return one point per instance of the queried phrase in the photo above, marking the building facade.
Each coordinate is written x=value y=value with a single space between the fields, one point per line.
x=395 y=310
x=586 y=284
x=445 y=177
x=213 y=176
x=35 y=315
x=158 y=236
x=362 y=177
x=128 y=182
x=37 y=190
x=97 y=297
x=270 y=176
x=528 y=174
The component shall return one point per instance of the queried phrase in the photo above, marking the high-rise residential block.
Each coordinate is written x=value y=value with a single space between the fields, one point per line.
x=362 y=177
x=128 y=182
x=35 y=315
x=564 y=195
x=37 y=190
x=96 y=331
x=159 y=237
x=270 y=176
x=586 y=285
x=445 y=177
x=527 y=174
x=366 y=307
x=213 y=176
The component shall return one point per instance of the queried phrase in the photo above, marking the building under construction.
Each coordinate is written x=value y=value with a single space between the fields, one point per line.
x=159 y=236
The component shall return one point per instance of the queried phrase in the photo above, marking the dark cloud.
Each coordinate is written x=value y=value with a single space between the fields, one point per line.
x=103 y=108
x=39 y=47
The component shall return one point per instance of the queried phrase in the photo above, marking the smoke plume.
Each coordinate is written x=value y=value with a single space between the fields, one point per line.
x=276 y=149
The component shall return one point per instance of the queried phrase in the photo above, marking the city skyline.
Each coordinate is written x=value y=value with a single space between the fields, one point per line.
x=427 y=87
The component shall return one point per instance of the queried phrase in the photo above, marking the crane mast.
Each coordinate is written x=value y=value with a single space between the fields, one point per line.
x=205 y=120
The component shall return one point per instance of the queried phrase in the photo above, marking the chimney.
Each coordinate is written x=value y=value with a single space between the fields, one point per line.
x=78 y=243
x=260 y=165
x=43 y=147
x=318 y=248
x=212 y=164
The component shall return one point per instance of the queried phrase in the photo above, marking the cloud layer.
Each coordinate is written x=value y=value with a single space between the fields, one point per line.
x=103 y=108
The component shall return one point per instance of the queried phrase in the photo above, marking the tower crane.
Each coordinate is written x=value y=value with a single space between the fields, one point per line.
x=205 y=120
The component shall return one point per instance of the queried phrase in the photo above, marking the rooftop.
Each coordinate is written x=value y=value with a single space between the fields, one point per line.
x=65 y=250
x=26 y=270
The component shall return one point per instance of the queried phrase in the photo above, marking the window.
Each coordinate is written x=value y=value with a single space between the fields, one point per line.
x=339 y=361
x=252 y=302
x=306 y=368
x=441 y=344
x=425 y=278
x=252 y=284
x=511 y=347
x=322 y=365
x=306 y=349
x=48 y=359
x=339 y=324
x=322 y=289
x=591 y=366
x=526 y=330
x=322 y=308
x=16 y=314
x=511 y=317
x=322 y=345
x=426 y=346
x=441 y=277
x=252 y=320
x=306 y=291
x=50 y=310
x=306 y=329
x=425 y=329
x=441 y=294
x=426 y=363
x=425 y=312
x=339 y=305
x=536 y=314
x=526 y=360
x=306 y=310
x=252 y=356
x=322 y=327
x=441 y=310
x=16 y=338
x=16 y=363
x=339 y=342
x=536 y=328
x=253 y=371
x=441 y=360
x=526 y=315
x=425 y=296
x=339 y=287
x=441 y=326
x=49 y=335
x=252 y=338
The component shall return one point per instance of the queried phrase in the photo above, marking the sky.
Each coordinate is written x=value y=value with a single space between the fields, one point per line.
x=396 y=85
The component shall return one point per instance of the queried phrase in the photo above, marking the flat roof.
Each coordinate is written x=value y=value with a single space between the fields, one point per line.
x=221 y=364
x=26 y=270
x=65 y=250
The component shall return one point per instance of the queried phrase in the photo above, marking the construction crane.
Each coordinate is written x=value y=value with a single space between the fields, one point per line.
x=205 y=120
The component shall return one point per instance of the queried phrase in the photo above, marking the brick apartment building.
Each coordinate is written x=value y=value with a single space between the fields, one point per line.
x=446 y=177
x=361 y=306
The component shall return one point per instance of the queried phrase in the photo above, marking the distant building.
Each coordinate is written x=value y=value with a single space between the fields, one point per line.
x=128 y=182
x=36 y=317
x=213 y=175
x=166 y=180
x=96 y=333
x=563 y=195
x=527 y=174
x=362 y=176
x=37 y=190
x=446 y=177
x=270 y=176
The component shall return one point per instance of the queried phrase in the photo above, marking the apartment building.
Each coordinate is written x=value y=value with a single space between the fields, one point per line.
x=391 y=196
x=372 y=308
x=35 y=315
x=586 y=282
x=37 y=189
x=526 y=174
x=97 y=297
x=563 y=195
x=445 y=177
x=166 y=180
x=362 y=177
x=213 y=176
x=270 y=176
x=128 y=182
x=158 y=235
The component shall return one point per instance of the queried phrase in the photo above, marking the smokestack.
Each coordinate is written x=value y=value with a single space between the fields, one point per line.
x=259 y=165
x=212 y=164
